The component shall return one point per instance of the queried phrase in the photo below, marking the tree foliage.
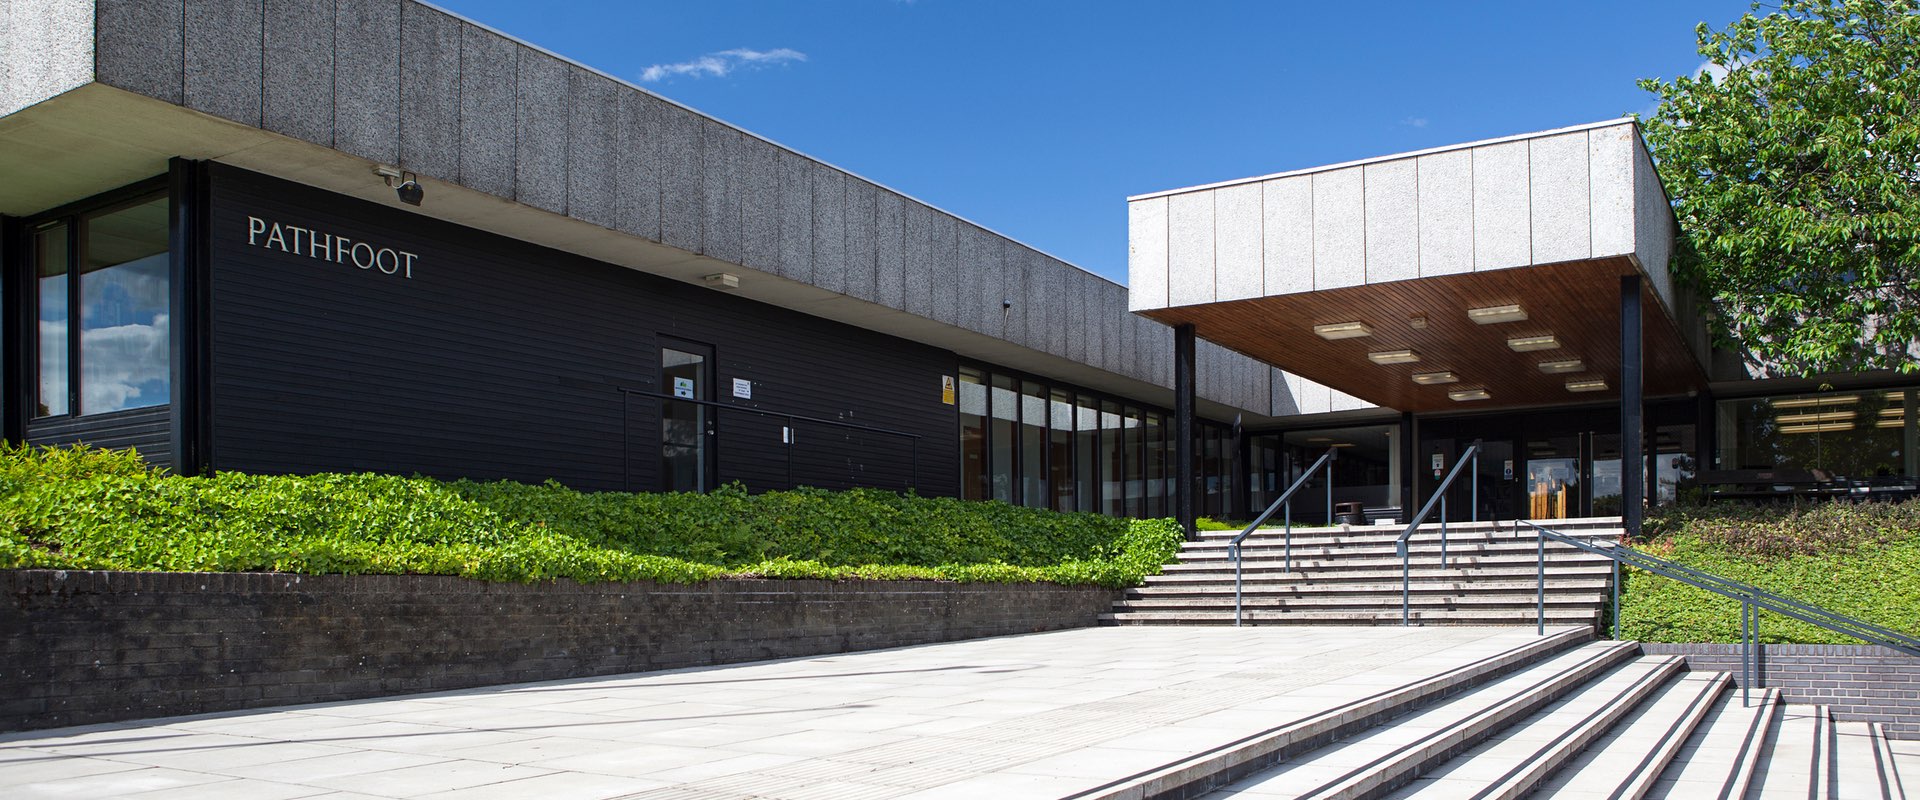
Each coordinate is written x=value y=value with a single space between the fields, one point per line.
x=1793 y=158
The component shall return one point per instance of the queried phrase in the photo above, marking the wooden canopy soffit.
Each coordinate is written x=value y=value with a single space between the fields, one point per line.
x=1576 y=302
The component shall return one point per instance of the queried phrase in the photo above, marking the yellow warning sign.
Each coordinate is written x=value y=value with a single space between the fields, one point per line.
x=946 y=389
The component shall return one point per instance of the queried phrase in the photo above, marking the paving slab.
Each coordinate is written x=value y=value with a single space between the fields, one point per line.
x=1039 y=716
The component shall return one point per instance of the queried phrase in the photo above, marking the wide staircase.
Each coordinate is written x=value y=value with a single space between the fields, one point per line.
x=1352 y=576
x=1579 y=719
x=1575 y=717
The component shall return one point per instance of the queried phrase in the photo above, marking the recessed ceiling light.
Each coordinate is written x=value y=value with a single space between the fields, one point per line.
x=1468 y=394
x=1527 y=344
x=1393 y=357
x=1342 y=330
x=1493 y=314
x=1431 y=378
x=1587 y=385
x=1565 y=365
x=1417 y=323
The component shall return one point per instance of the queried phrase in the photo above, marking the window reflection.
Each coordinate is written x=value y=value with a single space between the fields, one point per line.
x=120 y=273
x=51 y=265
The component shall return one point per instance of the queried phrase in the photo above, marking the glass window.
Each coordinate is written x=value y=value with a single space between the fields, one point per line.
x=1112 y=460
x=123 y=309
x=1135 y=448
x=973 y=434
x=1365 y=472
x=1006 y=415
x=1856 y=435
x=1086 y=465
x=1060 y=451
x=1156 y=468
x=51 y=264
x=1035 y=491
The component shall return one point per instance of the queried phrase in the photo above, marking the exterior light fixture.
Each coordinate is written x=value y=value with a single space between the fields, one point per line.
x=1342 y=330
x=1528 y=344
x=1417 y=323
x=1814 y=416
x=723 y=280
x=1562 y=366
x=1823 y=427
x=1493 y=314
x=404 y=184
x=1433 y=378
x=1393 y=357
x=1587 y=385
x=1890 y=423
x=1468 y=394
x=1805 y=402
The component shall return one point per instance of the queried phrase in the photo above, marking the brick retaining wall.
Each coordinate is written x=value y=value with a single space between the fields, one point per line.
x=82 y=647
x=1859 y=682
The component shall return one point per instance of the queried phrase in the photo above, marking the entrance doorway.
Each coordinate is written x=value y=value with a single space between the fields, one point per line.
x=687 y=429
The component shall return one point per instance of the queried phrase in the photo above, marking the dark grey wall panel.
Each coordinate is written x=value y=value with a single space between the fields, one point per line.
x=500 y=359
x=430 y=92
x=720 y=227
x=223 y=68
x=488 y=73
x=889 y=251
x=366 y=79
x=861 y=241
x=680 y=179
x=297 y=92
x=592 y=134
x=540 y=135
x=829 y=228
x=148 y=430
x=137 y=46
x=759 y=191
x=637 y=166
x=796 y=216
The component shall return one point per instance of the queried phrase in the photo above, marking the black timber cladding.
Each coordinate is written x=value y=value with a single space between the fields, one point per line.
x=503 y=359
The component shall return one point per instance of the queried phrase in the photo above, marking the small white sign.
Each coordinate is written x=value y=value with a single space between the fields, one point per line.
x=743 y=388
x=683 y=387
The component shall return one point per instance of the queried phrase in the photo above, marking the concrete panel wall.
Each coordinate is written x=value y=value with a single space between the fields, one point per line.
x=59 y=34
x=1536 y=199
x=397 y=82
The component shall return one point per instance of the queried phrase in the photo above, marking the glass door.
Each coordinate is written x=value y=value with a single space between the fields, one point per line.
x=1553 y=477
x=686 y=428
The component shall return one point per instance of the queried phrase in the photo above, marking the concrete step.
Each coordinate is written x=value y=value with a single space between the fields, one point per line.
x=1462 y=567
x=1325 y=589
x=1799 y=755
x=1247 y=756
x=1567 y=526
x=1389 y=756
x=1862 y=763
x=1513 y=600
x=1277 y=549
x=1524 y=756
x=1630 y=759
x=1371 y=615
x=1719 y=760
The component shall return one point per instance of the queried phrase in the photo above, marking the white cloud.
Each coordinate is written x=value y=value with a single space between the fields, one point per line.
x=1414 y=122
x=1709 y=68
x=718 y=65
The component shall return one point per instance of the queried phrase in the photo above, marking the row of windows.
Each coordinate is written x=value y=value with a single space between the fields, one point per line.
x=1042 y=445
x=107 y=268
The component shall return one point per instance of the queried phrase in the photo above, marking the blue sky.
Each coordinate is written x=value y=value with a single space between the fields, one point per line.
x=1037 y=118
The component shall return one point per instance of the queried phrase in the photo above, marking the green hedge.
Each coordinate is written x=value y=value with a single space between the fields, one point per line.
x=82 y=508
x=1862 y=560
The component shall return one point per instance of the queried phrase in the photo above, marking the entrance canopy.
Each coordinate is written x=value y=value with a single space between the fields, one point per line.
x=1464 y=277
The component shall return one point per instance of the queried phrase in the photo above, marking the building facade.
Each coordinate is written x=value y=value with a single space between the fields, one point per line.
x=370 y=235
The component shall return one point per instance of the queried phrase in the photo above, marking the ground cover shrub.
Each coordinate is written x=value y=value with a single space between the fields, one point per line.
x=83 y=508
x=1862 y=560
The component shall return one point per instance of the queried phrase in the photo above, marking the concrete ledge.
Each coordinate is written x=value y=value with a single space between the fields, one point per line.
x=1860 y=683
x=84 y=647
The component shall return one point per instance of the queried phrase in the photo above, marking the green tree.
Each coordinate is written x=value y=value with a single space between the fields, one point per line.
x=1793 y=158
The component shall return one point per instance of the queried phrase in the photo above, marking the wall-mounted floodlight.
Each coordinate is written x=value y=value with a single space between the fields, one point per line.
x=405 y=185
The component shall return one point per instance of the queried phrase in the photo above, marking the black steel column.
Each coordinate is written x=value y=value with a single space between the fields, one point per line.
x=187 y=195
x=1408 y=441
x=1183 y=390
x=13 y=362
x=1633 y=464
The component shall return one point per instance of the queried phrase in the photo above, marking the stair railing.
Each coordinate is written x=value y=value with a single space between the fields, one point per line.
x=1753 y=600
x=1284 y=501
x=1471 y=456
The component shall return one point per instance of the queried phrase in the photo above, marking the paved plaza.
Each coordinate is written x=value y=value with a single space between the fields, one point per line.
x=1085 y=712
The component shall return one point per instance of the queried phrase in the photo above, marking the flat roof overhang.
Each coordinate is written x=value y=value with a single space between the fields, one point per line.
x=1406 y=245
x=1576 y=303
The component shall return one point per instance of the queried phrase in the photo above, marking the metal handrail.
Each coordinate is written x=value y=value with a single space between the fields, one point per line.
x=1233 y=547
x=791 y=437
x=1472 y=455
x=1753 y=600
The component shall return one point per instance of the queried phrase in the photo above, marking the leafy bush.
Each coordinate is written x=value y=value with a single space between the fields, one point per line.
x=1862 y=560
x=85 y=508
